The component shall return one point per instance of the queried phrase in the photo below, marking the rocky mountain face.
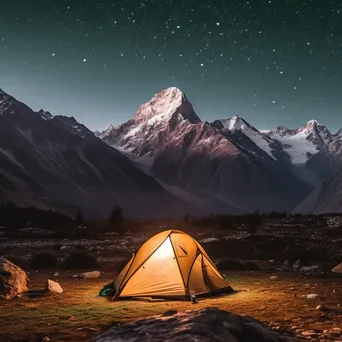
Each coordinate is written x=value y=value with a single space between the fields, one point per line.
x=165 y=161
x=55 y=162
x=226 y=165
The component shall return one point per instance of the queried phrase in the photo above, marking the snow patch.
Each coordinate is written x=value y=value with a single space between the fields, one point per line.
x=298 y=147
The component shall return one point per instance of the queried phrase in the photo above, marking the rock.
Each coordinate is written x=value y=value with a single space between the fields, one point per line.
x=310 y=333
x=274 y=277
x=212 y=239
x=65 y=248
x=56 y=274
x=296 y=266
x=312 y=296
x=53 y=287
x=210 y=324
x=45 y=339
x=90 y=275
x=13 y=280
x=311 y=270
x=321 y=308
x=337 y=269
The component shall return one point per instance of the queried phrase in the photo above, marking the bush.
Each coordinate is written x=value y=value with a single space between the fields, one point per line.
x=43 y=260
x=80 y=259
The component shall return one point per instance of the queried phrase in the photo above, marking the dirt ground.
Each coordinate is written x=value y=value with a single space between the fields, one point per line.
x=80 y=313
x=281 y=303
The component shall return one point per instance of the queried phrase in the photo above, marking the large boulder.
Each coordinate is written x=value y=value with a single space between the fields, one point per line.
x=206 y=325
x=13 y=280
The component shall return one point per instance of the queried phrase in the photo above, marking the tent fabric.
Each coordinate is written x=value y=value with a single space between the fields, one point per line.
x=170 y=264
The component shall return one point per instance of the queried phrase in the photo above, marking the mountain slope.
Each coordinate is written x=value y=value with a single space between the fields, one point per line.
x=207 y=163
x=327 y=197
x=302 y=143
x=54 y=161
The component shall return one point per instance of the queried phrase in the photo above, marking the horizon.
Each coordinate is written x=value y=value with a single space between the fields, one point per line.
x=261 y=129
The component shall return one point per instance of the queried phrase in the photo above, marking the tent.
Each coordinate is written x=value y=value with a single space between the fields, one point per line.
x=171 y=264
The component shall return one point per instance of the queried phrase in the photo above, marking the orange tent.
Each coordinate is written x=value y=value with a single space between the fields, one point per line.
x=170 y=264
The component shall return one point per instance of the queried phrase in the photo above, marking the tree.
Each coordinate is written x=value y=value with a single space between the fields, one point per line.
x=79 y=217
x=116 y=218
x=186 y=218
x=254 y=222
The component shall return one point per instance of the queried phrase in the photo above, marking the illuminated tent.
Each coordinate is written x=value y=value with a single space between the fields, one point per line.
x=170 y=264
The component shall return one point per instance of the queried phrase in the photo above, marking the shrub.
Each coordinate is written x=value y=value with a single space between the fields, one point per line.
x=43 y=260
x=80 y=259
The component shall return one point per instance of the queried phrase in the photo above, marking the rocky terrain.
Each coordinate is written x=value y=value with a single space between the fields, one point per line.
x=282 y=274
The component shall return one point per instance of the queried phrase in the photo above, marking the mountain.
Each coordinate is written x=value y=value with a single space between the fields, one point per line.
x=226 y=165
x=327 y=164
x=56 y=162
x=326 y=198
x=304 y=142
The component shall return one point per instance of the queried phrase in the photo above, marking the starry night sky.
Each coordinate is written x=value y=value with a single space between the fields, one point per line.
x=270 y=61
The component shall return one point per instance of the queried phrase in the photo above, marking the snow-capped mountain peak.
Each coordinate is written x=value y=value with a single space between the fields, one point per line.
x=281 y=131
x=302 y=143
x=164 y=105
x=313 y=125
x=235 y=124
x=106 y=132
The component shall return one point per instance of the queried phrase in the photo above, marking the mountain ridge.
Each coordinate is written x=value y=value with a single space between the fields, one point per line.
x=167 y=154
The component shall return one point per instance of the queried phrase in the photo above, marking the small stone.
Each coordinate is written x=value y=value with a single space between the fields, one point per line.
x=336 y=329
x=321 y=308
x=274 y=277
x=308 y=333
x=53 y=287
x=312 y=296
x=56 y=274
x=45 y=339
x=90 y=275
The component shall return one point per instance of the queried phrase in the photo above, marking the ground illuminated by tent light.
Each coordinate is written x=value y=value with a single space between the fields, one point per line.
x=80 y=313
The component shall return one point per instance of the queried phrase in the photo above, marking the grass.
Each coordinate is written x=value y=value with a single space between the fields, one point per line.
x=80 y=313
